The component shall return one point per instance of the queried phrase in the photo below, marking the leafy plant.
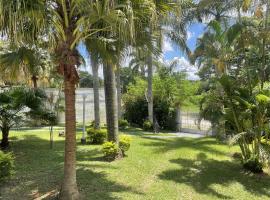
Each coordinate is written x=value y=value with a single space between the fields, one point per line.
x=124 y=143
x=97 y=136
x=147 y=125
x=110 y=151
x=123 y=124
x=6 y=165
x=19 y=104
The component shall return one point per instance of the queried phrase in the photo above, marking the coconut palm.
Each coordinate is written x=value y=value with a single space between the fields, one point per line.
x=64 y=23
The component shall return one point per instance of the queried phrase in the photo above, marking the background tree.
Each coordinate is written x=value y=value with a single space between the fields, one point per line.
x=15 y=105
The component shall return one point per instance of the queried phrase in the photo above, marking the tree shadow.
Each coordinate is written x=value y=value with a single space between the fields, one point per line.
x=162 y=145
x=202 y=173
x=96 y=185
x=90 y=154
x=39 y=171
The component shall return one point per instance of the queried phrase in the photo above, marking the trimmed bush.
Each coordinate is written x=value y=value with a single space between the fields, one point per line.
x=147 y=125
x=123 y=124
x=110 y=151
x=254 y=165
x=124 y=143
x=97 y=136
x=6 y=165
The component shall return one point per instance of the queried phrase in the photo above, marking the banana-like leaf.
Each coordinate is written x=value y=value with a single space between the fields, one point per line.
x=237 y=137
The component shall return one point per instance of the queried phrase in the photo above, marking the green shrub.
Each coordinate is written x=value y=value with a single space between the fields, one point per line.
x=6 y=165
x=135 y=109
x=123 y=123
x=97 y=136
x=147 y=125
x=254 y=165
x=91 y=124
x=110 y=150
x=124 y=143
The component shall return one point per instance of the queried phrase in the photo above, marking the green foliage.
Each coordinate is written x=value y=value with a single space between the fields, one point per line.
x=123 y=123
x=147 y=125
x=170 y=91
x=135 y=104
x=124 y=143
x=18 y=105
x=6 y=165
x=110 y=150
x=97 y=136
x=86 y=80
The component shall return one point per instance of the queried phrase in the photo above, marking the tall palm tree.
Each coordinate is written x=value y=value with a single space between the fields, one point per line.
x=94 y=65
x=110 y=44
x=162 y=9
x=64 y=23
x=119 y=91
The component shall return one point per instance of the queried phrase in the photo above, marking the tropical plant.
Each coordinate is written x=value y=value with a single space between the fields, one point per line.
x=234 y=74
x=17 y=60
x=97 y=136
x=110 y=151
x=64 y=23
x=16 y=104
x=6 y=165
x=124 y=143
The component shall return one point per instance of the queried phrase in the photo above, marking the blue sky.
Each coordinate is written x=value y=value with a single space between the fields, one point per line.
x=170 y=51
x=194 y=31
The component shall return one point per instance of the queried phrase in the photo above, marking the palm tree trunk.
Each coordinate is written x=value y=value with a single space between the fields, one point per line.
x=150 y=89
x=96 y=91
x=5 y=133
x=119 y=94
x=34 y=80
x=69 y=190
x=110 y=99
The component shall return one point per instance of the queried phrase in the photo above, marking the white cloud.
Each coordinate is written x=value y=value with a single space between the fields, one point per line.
x=190 y=35
x=167 y=45
x=185 y=66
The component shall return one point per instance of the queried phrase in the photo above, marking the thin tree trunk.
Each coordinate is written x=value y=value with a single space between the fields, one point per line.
x=96 y=91
x=119 y=94
x=69 y=190
x=150 y=89
x=5 y=141
x=34 y=80
x=110 y=99
x=178 y=119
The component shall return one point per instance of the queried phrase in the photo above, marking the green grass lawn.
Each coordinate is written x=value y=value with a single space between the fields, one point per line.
x=174 y=168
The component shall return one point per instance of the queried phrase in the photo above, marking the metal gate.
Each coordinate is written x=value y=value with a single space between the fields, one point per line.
x=190 y=123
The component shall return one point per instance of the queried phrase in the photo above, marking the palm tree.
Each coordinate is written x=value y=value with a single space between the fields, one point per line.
x=64 y=23
x=16 y=104
x=119 y=91
x=94 y=64
x=29 y=61
x=162 y=10
x=109 y=46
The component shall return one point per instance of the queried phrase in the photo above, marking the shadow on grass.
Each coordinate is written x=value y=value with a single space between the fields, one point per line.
x=95 y=185
x=202 y=173
x=39 y=170
x=162 y=145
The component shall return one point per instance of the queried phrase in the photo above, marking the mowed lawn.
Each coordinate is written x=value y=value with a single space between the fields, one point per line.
x=174 y=168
